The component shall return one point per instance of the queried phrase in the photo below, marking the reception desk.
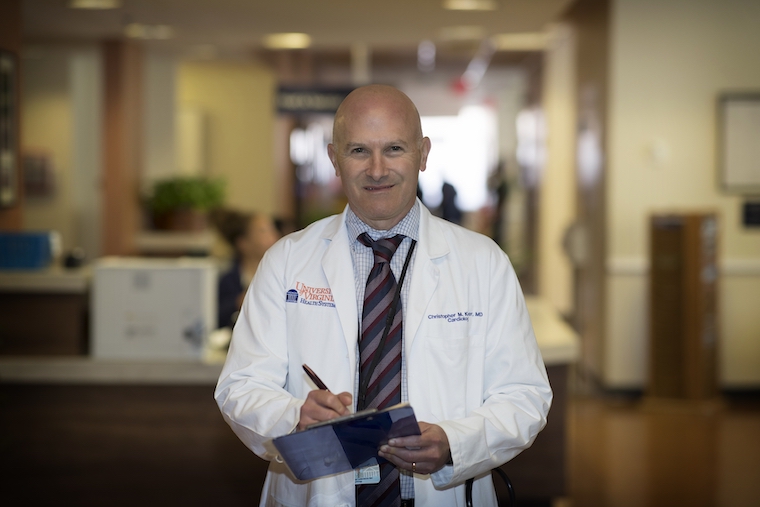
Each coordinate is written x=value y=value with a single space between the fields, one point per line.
x=539 y=473
x=44 y=312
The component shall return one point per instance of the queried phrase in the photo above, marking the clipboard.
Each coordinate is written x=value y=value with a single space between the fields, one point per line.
x=345 y=443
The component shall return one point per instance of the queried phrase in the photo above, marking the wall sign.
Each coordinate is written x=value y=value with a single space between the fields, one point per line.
x=290 y=100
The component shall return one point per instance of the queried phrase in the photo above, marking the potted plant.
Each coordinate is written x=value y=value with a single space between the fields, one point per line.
x=183 y=202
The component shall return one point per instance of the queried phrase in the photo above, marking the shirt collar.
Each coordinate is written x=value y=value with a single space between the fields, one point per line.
x=409 y=226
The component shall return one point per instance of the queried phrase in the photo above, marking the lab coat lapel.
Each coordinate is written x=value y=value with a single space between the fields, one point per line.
x=338 y=269
x=425 y=274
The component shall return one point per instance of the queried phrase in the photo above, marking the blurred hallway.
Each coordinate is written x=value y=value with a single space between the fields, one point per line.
x=630 y=92
x=167 y=445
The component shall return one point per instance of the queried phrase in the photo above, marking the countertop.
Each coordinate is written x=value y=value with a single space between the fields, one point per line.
x=558 y=343
x=54 y=280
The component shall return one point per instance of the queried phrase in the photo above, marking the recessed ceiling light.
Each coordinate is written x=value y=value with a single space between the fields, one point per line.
x=526 y=41
x=462 y=33
x=470 y=5
x=287 y=41
x=95 y=4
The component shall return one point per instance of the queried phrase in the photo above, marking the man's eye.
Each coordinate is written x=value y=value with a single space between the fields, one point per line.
x=358 y=150
x=396 y=148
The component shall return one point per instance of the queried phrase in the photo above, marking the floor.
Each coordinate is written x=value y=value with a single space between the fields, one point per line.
x=633 y=451
x=142 y=445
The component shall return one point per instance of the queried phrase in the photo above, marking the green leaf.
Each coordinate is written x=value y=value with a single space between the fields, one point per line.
x=185 y=192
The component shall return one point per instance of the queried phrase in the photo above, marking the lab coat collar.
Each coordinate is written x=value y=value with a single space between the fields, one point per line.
x=338 y=269
x=432 y=239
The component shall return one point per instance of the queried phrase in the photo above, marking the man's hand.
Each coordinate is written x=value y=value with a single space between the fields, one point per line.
x=422 y=454
x=323 y=405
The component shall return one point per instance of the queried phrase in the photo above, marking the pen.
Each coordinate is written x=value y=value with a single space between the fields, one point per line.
x=318 y=381
x=313 y=376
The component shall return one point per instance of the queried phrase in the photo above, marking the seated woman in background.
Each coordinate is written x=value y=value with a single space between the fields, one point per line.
x=249 y=235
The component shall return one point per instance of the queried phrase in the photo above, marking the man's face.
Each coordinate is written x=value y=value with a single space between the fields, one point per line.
x=378 y=153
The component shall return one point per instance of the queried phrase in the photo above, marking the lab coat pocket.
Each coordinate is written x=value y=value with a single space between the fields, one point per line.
x=335 y=491
x=454 y=370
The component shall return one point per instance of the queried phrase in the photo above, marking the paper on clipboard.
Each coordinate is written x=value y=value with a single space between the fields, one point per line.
x=344 y=443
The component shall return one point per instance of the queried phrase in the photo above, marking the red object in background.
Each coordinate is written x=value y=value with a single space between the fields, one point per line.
x=459 y=86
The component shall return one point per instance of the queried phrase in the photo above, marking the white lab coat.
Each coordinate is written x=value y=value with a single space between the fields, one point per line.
x=473 y=365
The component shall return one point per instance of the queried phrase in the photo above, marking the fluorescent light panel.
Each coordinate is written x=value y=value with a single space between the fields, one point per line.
x=526 y=41
x=462 y=33
x=470 y=5
x=287 y=41
x=95 y=4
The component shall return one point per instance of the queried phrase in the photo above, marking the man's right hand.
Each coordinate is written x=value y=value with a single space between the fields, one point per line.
x=323 y=405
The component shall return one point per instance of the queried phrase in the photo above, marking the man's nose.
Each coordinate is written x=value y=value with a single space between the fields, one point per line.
x=377 y=167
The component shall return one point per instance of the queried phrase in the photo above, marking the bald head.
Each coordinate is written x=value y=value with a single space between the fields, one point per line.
x=362 y=101
x=378 y=152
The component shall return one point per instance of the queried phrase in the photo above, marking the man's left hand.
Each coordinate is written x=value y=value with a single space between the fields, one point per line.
x=422 y=454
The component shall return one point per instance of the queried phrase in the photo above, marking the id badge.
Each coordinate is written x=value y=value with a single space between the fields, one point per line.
x=367 y=475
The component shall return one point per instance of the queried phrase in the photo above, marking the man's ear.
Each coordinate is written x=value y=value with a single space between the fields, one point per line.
x=333 y=158
x=424 y=151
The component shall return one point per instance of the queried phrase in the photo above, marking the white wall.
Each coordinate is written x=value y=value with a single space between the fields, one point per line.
x=86 y=78
x=160 y=97
x=238 y=103
x=558 y=186
x=669 y=61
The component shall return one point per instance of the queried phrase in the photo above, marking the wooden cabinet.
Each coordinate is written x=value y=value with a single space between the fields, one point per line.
x=683 y=306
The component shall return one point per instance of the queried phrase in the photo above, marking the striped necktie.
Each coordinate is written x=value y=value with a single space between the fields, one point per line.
x=384 y=385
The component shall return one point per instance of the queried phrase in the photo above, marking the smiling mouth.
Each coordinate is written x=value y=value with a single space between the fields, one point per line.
x=375 y=188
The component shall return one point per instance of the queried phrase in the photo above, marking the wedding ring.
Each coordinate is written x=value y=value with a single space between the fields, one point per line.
x=414 y=467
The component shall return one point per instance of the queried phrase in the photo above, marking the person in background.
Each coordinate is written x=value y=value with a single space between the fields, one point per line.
x=456 y=343
x=449 y=209
x=249 y=235
x=498 y=185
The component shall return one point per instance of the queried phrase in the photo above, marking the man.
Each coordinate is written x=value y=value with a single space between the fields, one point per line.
x=469 y=364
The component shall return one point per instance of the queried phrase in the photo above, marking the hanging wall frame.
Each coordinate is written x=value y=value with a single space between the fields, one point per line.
x=739 y=142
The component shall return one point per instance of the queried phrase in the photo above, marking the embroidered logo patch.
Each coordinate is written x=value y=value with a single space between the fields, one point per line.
x=315 y=296
x=291 y=296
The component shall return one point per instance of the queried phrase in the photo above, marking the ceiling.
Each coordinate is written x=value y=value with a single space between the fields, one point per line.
x=235 y=28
